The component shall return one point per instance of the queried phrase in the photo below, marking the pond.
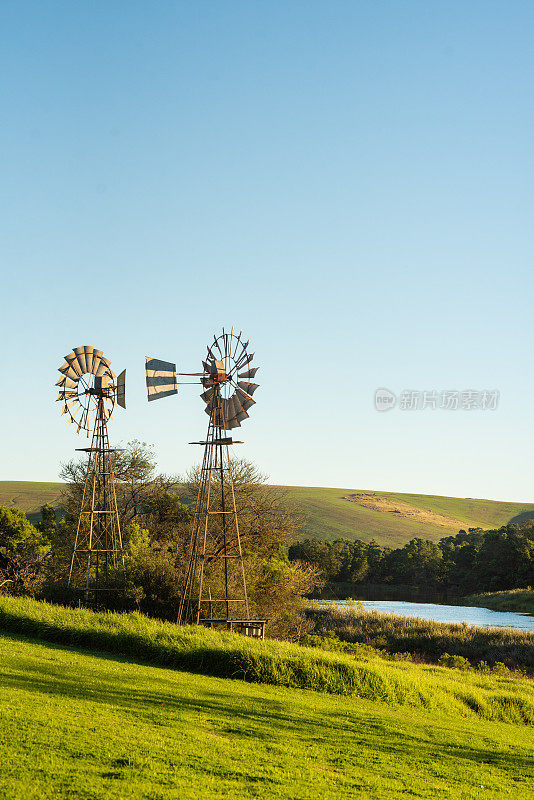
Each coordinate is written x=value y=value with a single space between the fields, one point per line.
x=472 y=615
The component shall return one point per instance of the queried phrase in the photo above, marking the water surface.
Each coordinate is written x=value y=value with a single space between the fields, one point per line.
x=482 y=617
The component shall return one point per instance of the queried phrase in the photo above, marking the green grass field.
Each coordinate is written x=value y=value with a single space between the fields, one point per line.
x=329 y=516
x=77 y=724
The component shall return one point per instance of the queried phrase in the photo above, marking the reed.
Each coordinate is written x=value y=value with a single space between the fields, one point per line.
x=428 y=640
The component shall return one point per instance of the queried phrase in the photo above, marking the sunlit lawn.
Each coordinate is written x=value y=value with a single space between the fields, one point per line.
x=77 y=725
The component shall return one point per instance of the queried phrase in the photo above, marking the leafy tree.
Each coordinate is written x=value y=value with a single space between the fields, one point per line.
x=419 y=562
x=153 y=580
x=505 y=559
x=164 y=514
x=23 y=549
x=18 y=537
x=47 y=523
x=136 y=480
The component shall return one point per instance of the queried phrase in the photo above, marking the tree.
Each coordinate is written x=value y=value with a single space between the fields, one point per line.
x=267 y=517
x=23 y=549
x=153 y=577
x=18 y=537
x=137 y=487
x=134 y=468
x=505 y=559
x=418 y=563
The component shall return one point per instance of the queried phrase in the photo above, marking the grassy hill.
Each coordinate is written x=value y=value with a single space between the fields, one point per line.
x=29 y=495
x=391 y=518
x=79 y=724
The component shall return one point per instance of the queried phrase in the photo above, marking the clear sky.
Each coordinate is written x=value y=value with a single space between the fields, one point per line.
x=349 y=182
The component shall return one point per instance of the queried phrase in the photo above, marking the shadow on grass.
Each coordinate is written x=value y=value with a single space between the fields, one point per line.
x=525 y=516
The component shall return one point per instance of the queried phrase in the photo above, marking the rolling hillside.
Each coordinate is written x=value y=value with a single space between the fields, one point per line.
x=29 y=495
x=393 y=518
x=389 y=517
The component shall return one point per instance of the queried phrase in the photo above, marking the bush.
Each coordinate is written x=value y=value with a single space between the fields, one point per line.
x=454 y=662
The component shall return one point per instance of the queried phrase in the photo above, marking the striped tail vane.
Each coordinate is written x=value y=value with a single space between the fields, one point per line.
x=160 y=378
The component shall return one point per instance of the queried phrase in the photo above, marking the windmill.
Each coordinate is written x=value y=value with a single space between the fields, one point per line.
x=215 y=557
x=89 y=391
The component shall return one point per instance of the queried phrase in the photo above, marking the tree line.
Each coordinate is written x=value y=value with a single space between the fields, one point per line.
x=471 y=561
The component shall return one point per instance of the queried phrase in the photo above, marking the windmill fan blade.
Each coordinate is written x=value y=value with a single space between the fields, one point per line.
x=223 y=410
x=232 y=419
x=80 y=355
x=249 y=388
x=238 y=339
x=66 y=395
x=67 y=383
x=245 y=400
x=207 y=395
x=103 y=368
x=89 y=352
x=160 y=378
x=250 y=374
x=232 y=406
x=97 y=360
x=72 y=360
x=229 y=413
x=121 y=389
x=68 y=406
x=68 y=371
x=244 y=360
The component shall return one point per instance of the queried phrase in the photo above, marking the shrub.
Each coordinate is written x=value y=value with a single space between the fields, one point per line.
x=455 y=662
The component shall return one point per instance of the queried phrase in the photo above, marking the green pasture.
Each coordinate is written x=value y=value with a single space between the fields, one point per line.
x=81 y=725
x=329 y=516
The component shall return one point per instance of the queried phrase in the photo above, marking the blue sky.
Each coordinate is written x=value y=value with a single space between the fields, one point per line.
x=349 y=182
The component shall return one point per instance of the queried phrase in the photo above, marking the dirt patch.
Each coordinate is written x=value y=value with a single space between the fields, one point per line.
x=376 y=502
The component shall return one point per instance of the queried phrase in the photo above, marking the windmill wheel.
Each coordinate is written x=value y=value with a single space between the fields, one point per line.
x=86 y=381
x=227 y=380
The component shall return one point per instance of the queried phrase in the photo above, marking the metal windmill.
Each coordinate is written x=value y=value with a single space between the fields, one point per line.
x=215 y=557
x=89 y=390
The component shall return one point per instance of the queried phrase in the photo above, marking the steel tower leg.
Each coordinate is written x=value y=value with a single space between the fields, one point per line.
x=215 y=539
x=98 y=549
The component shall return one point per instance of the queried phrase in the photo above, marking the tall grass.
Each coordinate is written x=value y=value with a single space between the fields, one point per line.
x=427 y=639
x=198 y=649
x=521 y=600
x=229 y=655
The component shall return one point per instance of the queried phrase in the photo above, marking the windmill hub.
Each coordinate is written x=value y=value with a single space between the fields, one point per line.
x=216 y=373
